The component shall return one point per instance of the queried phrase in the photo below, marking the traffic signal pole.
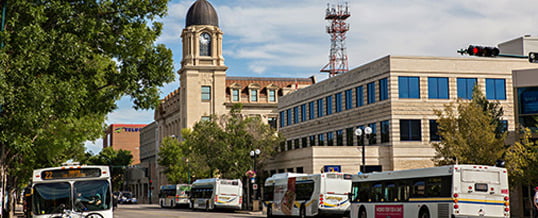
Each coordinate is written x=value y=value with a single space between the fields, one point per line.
x=485 y=51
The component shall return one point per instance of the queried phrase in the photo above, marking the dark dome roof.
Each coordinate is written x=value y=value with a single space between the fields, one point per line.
x=202 y=13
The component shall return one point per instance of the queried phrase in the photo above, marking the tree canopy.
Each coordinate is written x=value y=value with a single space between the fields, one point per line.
x=63 y=66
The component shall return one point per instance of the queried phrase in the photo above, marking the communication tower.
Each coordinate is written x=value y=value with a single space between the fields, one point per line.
x=337 y=28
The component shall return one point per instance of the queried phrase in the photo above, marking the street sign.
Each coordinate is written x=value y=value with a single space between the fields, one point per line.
x=255 y=186
x=332 y=168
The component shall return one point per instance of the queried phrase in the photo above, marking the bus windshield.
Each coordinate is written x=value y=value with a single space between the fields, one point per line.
x=51 y=197
x=92 y=195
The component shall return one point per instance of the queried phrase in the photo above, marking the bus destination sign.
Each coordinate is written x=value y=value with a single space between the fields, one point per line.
x=71 y=173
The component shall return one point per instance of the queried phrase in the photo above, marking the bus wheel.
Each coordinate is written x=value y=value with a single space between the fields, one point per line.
x=269 y=211
x=93 y=215
x=362 y=213
x=302 y=211
x=424 y=213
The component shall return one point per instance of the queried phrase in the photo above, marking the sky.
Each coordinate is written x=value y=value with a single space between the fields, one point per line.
x=287 y=38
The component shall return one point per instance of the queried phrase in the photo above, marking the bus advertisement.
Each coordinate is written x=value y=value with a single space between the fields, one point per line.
x=446 y=191
x=73 y=191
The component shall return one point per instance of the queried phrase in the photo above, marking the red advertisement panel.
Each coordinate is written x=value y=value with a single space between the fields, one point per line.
x=392 y=211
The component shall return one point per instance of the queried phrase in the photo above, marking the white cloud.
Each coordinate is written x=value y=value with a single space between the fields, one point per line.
x=94 y=147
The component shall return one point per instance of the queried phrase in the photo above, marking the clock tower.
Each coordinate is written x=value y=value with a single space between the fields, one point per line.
x=202 y=73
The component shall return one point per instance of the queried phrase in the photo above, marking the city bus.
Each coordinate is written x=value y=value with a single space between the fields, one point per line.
x=174 y=195
x=446 y=191
x=209 y=194
x=72 y=191
x=294 y=194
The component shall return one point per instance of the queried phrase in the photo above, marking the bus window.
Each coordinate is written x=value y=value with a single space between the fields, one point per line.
x=377 y=192
x=438 y=187
x=389 y=193
x=268 y=193
x=304 y=190
x=364 y=192
x=403 y=191
x=418 y=189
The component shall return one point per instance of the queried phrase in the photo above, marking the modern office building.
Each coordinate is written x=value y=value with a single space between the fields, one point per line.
x=126 y=137
x=396 y=97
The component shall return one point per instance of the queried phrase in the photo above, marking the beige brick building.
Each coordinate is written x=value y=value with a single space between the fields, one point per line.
x=395 y=96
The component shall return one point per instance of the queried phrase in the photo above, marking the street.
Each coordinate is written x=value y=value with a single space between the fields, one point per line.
x=153 y=210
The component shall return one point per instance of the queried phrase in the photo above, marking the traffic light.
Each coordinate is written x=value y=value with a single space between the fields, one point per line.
x=533 y=57
x=483 y=51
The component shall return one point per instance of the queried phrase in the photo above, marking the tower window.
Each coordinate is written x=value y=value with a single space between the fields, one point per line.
x=205 y=44
x=206 y=93
x=235 y=94
x=253 y=95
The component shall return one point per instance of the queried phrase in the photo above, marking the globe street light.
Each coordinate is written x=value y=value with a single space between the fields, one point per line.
x=360 y=133
x=254 y=154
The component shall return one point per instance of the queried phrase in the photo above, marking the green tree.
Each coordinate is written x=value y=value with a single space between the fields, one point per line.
x=117 y=160
x=63 y=66
x=472 y=133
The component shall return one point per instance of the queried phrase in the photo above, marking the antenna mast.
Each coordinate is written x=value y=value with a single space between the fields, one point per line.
x=337 y=28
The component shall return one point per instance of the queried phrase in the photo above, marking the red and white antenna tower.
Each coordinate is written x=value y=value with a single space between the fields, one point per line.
x=337 y=28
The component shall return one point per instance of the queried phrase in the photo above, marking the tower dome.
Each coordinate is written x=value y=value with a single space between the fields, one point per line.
x=202 y=13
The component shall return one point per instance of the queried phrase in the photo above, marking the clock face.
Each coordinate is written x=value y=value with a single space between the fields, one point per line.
x=205 y=38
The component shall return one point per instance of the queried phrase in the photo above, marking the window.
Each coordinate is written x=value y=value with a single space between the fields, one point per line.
x=465 y=87
x=205 y=44
x=360 y=96
x=338 y=99
x=329 y=104
x=272 y=122
x=288 y=117
x=205 y=118
x=383 y=89
x=300 y=170
x=311 y=113
x=410 y=130
x=272 y=95
x=434 y=131
x=371 y=93
x=235 y=94
x=303 y=112
x=495 y=89
x=304 y=190
x=349 y=136
x=289 y=142
x=321 y=140
x=384 y=131
x=330 y=138
x=360 y=139
x=282 y=116
x=438 y=87
x=372 y=137
x=296 y=144
x=253 y=95
x=349 y=97
x=339 y=137
x=206 y=93
x=408 y=87
x=296 y=115
x=312 y=140
x=320 y=107
x=304 y=142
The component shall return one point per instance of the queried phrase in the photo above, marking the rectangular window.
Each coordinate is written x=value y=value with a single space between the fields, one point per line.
x=296 y=144
x=385 y=131
x=329 y=104
x=438 y=87
x=288 y=117
x=303 y=112
x=383 y=89
x=320 y=107
x=330 y=138
x=272 y=96
x=408 y=87
x=254 y=95
x=360 y=139
x=205 y=118
x=311 y=112
x=339 y=137
x=289 y=145
x=410 y=130
x=372 y=138
x=371 y=93
x=349 y=97
x=296 y=115
x=465 y=87
x=495 y=89
x=272 y=122
x=434 y=131
x=321 y=139
x=312 y=140
x=282 y=116
x=338 y=99
x=349 y=136
x=206 y=93
x=235 y=94
x=359 y=96
x=304 y=142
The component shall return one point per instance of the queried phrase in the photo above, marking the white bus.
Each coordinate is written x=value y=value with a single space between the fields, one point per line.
x=209 y=194
x=446 y=191
x=174 y=195
x=302 y=195
x=72 y=191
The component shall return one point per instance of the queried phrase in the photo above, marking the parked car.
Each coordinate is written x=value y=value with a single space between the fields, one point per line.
x=127 y=198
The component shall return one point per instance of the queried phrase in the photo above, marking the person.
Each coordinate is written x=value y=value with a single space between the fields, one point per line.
x=535 y=201
x=91 y=203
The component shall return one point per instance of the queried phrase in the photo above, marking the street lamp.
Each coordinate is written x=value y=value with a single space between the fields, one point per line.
x=358 y=132
x=254 y=154
x=188 y=171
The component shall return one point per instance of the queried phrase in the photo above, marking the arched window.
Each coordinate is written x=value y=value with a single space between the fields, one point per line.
x=205 y=44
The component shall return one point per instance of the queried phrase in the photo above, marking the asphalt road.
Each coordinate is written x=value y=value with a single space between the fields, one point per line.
x=154 y=211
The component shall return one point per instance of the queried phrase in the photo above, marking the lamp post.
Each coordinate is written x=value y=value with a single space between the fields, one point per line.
x=360 y=133
x=188 y=171
x=254 y=154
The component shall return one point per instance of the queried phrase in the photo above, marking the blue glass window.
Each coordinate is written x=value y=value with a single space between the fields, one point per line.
x=360 y=96
x=303 y=112
x=372 y=137
x=338 y=99
x=312 y=139
x=349 y=97
x=339 y=137
x=329 y=104
x=434 y=131
x=282 y=116
x=311 y=112
x=408 y=87
x=330 y=138
x=320 y=107
x=383 y=89
x=385 y=131
x=495 y=89
x=438 y=87
x=371 y=93
x=410 y=130
x=296 y=115
x=321 y=140
x=360 y=139
x=465 y=87
x=288 y=117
